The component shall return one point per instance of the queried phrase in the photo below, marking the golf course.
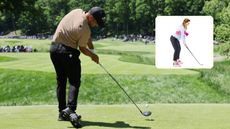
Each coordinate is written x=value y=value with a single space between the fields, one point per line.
x=177 y=98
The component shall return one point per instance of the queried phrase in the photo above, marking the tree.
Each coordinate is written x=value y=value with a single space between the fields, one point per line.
x=222 y=31
x=143 y=15
x=195 y=7
x=225 y=15
x=176 y=7
x=12 y=9
x=122 y=12
x=214 y=8
x=43 y=17
x=220 y=11
x=110 y=17
x=33 y=22
x=122 y=16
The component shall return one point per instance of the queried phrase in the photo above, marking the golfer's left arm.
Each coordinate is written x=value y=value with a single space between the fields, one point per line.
x=90 y=44
x=89 y=53
x=85 y=45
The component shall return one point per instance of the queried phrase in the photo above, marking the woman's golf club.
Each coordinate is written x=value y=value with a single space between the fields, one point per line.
x=193 y=56
x=146 y=113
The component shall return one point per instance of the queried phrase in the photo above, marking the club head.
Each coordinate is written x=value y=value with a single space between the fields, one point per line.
x=146 y=113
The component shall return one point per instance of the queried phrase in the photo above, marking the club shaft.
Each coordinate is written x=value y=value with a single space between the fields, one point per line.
x=193 y=55
x=121 y=88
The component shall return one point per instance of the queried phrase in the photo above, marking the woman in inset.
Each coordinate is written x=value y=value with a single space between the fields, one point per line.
x=175 y=38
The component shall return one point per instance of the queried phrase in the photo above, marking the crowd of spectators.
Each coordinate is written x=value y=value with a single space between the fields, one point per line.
x=17 y=48
x=124 y=37
x=28 y=37
x=133 y=38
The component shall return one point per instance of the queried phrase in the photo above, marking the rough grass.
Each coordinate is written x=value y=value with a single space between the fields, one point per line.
x=20 y=87
x=220 y=46
x=26 y=88
x=223 y=49
x=218 y=77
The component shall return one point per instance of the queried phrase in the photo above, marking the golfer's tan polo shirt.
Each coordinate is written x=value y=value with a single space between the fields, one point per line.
x=73 y=30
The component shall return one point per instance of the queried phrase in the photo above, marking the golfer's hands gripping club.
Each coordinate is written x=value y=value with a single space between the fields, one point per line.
x=95 y=58
x=90 y=53
x=185 y=45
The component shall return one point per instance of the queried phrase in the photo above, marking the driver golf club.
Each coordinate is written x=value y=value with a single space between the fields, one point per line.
x=146 y=113
x=194 y=56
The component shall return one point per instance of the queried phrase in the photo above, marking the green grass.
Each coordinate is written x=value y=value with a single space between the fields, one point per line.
x=137 y=51
x=126 y=61
x=42 y=62
x=5 y=59
x=137 y=59
x=40 y=45
x=26 y=88
x=131 y=56
x=20 y=87
x=44 y=45
x=29 y=79
x=218 y=77
x=222 y=48
x=165 y=116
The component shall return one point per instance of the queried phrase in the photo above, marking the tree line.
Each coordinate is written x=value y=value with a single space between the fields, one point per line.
x=122 y=16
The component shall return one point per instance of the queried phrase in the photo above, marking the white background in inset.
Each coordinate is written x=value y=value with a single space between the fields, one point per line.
x=199 y=41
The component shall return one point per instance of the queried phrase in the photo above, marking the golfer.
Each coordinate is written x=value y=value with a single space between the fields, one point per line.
x=72 y=37
x=180 y=34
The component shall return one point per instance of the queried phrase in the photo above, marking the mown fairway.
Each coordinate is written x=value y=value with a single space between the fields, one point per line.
x=29 y=79
x=165 y=116
x=117 y=56
x=42 y=62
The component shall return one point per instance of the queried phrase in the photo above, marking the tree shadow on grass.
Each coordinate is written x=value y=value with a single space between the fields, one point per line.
x=117 y=124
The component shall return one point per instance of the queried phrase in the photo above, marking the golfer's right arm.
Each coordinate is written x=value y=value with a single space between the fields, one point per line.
x=89 y=53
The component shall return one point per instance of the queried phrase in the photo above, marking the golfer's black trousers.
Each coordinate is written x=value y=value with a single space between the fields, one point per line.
x=67 y=66
x=177 y=48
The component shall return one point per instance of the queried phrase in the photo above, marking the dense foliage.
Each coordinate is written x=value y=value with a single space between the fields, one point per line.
x=220 y=11
x=123 y=16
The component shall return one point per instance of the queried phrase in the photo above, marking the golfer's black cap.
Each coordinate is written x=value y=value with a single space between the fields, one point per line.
x=99 y=15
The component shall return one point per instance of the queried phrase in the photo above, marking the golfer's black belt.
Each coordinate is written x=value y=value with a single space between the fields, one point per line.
x=61 y=48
